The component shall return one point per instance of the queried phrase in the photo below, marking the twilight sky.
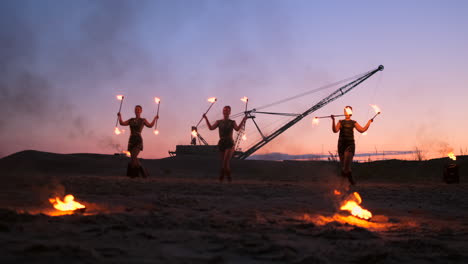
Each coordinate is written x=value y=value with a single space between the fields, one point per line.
x=63 y=62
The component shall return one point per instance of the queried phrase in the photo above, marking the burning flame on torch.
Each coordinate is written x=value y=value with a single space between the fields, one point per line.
x=68 y=203
x=352 y=205
x=376 y=108
x=120 y=97
x=157 y=100
x=126 y=153
x=452 y=156
x=117 y=131
x=212 y=99
x=244 y=137
x=156 y=132
x=348 y=111
x=245 y=99
x=194 y=133
x=315 y=121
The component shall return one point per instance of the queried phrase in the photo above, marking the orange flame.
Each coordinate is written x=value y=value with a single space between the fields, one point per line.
x=120 y=97
x=156 y=132
x=348 y=110
x=336 y=192
x=126 y=153
x=452 y=156
x=352 y=206
x=68 y=203
x=244 y=137
x=376 y=108
x=245 y=99
x=212 y=99
x=117 y=131
x=157 y=100
x=194 y=133
x=315 y=121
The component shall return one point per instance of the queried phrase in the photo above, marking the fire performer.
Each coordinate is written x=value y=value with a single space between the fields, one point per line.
x=225 y=143
x=346 y=146
x=135 y=142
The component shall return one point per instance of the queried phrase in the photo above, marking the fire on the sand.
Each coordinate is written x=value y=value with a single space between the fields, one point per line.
x=452 y=156
x=352 y=205
x=67 y=206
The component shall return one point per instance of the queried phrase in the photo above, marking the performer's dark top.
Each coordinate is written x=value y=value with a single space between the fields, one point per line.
x=347 y=131
x=225 y=129
x=135 y=140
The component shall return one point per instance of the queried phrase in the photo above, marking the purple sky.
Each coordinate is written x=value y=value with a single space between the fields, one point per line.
x=63 y=63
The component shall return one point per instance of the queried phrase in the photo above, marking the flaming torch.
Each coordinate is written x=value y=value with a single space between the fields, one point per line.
x=158 y=102
x=212 y=100
x=377 y=111
x=245 y=99
x=316 y=119
x=117 y=130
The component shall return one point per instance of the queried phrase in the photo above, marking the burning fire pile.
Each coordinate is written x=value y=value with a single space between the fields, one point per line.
x=358 y=216
x=67 y=206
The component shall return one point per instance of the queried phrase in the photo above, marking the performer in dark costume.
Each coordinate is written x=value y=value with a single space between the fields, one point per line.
x=346 y=146
x=135 y=142
x=226 y=143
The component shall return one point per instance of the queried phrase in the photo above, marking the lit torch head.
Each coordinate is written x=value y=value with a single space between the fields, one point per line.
x=452 y=156
x=244 y=137
x=127 y=153
x=120 y=97
x=194 y=133
x=117 y=131
x=156 y=132
x=376 y=108
x=212 y=99
x=245 y=99
x=315 y=121
x=348 y=111
x=157 y=100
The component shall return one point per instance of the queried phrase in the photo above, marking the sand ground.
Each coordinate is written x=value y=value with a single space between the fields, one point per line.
x=188 y=217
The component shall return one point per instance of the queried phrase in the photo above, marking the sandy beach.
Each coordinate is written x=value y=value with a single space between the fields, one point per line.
x=272 y=212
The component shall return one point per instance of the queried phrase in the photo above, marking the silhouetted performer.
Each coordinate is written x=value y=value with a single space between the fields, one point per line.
x=135 y=142
x=226 y=143
x=346 y=146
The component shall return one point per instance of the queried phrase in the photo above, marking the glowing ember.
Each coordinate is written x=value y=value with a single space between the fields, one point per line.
x=68 y=203
x=120 y=97
x=352 y=205
x=156 y=132
x=315 y=121
x=126 y=153
x=452 y=156
x=245 y=99
x=348 y=111
x=212 y=99
x=117 y=131
x=244 y=137
x=157 y=100
x=376 y=108
x=336 y=192
x=194 y=133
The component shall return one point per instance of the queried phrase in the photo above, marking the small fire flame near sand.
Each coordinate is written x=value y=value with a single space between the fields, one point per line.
x=67 y=206
x=127 y=153
x=452 y=156
x=359 y=216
